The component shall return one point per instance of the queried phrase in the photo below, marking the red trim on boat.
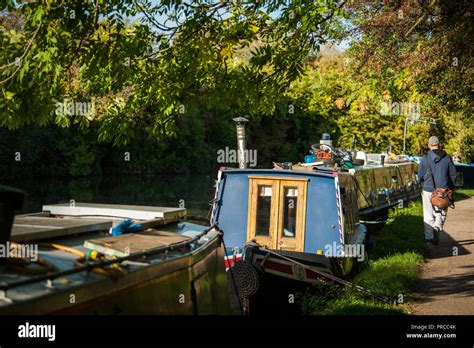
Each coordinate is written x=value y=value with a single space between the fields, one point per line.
x=230 y=261
x=276 y=266
x=313 y=275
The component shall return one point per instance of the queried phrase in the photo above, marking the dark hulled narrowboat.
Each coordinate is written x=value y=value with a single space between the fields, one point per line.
x=63 y=260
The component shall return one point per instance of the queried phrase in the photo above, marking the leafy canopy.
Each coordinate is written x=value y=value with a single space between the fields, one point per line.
x=144 y=63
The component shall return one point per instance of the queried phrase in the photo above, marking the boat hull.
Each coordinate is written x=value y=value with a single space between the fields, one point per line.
x=192 y=284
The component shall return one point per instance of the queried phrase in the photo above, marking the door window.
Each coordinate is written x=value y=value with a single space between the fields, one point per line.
x=264 y=208
x=290 y=205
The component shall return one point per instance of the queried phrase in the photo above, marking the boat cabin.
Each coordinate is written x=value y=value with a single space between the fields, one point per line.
x=312 y=214
x=286 y=210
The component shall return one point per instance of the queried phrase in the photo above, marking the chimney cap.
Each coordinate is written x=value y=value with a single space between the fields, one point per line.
x=240 y=120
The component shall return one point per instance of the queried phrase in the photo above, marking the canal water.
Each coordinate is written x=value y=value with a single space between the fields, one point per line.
x=194 y=192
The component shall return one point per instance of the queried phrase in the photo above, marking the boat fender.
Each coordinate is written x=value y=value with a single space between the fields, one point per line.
x=247 y=278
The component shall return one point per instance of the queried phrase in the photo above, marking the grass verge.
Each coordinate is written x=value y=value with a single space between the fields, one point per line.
x=392 y=272
x=463 y=194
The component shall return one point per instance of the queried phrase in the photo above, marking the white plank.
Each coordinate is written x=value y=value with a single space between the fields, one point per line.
x=135 y=212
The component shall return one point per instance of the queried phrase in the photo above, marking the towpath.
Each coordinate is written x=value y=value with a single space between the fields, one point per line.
x=447 y=278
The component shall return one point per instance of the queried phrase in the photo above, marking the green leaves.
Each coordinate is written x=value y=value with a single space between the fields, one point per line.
x=418 y=58
x=175 y=53
x=9 y=95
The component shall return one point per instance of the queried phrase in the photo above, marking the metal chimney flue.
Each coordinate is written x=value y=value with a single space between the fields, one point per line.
x=241 y=141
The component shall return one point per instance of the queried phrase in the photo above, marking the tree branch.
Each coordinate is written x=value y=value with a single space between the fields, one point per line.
x=81 y=42
x=22 y=56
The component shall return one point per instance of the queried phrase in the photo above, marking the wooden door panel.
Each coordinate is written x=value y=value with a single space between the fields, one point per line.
x=291 y=217
x=262 y=213
x=277 y=212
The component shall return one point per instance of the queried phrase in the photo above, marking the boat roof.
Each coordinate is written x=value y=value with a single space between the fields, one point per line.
x=63 y=219
x=326 y=173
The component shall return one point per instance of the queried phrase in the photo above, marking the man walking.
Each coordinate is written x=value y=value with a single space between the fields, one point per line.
x=443 y=172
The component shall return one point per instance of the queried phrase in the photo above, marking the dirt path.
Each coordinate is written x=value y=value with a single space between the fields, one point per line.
x=447 y=280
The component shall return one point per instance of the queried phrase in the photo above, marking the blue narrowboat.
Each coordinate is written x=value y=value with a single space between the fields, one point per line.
x=304 y=222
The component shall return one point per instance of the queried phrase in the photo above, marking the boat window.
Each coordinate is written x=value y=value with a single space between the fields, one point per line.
x=289 y=211
x=264 y=208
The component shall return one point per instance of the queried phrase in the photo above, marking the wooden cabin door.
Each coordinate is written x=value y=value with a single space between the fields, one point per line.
x=291 y=215
x=263 y=211
x=277 y=212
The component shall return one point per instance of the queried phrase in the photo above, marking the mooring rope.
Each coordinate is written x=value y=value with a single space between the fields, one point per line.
x=327 y=275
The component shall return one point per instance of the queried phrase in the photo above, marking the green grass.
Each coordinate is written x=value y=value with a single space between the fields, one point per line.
x=340 y=300
x=393 y=270
x=463 y=194
x=402 y=233
x=392 y=275
x=354 y=305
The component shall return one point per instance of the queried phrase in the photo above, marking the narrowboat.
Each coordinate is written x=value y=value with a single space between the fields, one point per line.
x=305 y=222
x=63 y=260
x=465 y=175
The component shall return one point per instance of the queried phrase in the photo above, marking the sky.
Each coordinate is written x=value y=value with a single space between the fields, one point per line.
x=341 y=46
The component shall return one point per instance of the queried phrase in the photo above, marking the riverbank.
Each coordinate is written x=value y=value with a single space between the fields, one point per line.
x=447 y=277
x=390 y=275
x=398 y=272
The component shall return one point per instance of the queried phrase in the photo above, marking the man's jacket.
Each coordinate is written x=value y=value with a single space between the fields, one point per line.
x=443 y=170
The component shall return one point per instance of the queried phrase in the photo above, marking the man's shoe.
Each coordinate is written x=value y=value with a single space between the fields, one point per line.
x=430 y=241
x=436 y=231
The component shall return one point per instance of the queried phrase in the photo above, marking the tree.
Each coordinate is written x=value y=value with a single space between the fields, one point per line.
x=420 y=51
x=147 y=73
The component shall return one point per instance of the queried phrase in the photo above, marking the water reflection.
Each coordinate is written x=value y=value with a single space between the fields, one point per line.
x=160 y=190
